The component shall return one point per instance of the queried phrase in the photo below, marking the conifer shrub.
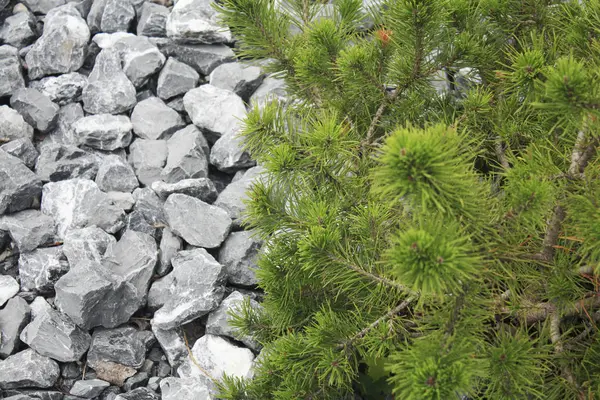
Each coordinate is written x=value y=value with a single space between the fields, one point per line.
x=424 y=243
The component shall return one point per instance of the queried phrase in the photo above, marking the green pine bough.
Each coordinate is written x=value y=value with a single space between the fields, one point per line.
x=421 y=245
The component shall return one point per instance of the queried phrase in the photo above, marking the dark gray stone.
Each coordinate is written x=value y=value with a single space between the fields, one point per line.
x=187 y=157
x=109 y=91
x=67 y=116
x=19 y=30
x=53 y=334
x=148 y=158
x=61 y=48
x=13 y=318
x=59 y=162
x=141 y=58
x=29 y=229
x=198 y=223
x=125 y=346
x=138 y=380
x=150 y=205
x=204 y=58
x=63 y=89
x=172 y=343
x=239 y=78
x=138 y=394
x=12 y=124
x=191 y=290
x=19 y=187
x=40 y=269
x=23 y=149
x=176 y=78
x=28 y=369
x=117 y=175
x=201 y=188
x=103 y=131
x=153 y=120
x=86 y=244
x=43 y=6
x=170 y=245
x=153 y=20
x=196 y=21
x=117 y=16
x=238 y=255
x=36 y=108
x=11 y=76
x=89 y=389
x=228 y=154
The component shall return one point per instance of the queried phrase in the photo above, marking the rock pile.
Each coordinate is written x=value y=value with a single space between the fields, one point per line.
x=121 y=251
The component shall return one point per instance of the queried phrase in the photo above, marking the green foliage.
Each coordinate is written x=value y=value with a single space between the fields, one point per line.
x=424 y=243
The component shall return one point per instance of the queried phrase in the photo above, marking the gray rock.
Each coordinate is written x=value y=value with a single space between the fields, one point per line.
x=170 y=245
x=272 y=89
x=67 y=116
x=228 y=155
x=218 y=322
x=176 y=103
x=89 y=389
x=54 y=335
x=154 y=384
x=117 y=16
x=164 y=369
x=204 y=58
x=40 y=269
x=108 y=91
x=79 y=203
x=61 y=48
x=191 y=290
x=103 y=131
x=13 y=318
x=153 y=120
x=180 y=388
x=125 y=346
x=216 y=111
x=11 y=77
x=198 y=223
x=36 y=108
x=138 y=394
x=43 y=6
x=87 y=244
x=108 y=40
x=187 y=158
x=150 y=205
x=148 y=158
x=238 y=255
x=12 y=124
x=138 y=380
x=217 y=356
x=152 y=21
x=23 y=149
x=28 y=369
x=141 y=58
x=236 y=77
x=63 y=89
x=176 y=78
x=29 y=229
x=122 y=200
x=196 y=21
x=59 y=162
x=117 y=175
x=19 y=30
x=39 y=306
x=19 y=187
x=173 y=344
x=136 y=221
x=233 y=197
x=201 y=188
x=94 y=17
x=32 y=394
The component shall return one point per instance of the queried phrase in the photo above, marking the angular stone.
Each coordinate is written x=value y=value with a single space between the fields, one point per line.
x=54 y=335
x=109 y=40
x=36 y=108
x=191 y=290
x=79 y=203
x=23 y=149
x=13 y=318
x=29 y=394
x=153 y=120
x=8 y=288
x=89 y=389
x=236 y=77
x=108 y=91
x=216 y=111
x=204 y=58
x=201 y=188
x=196 y=21
x=138 y=380
x=43 y=6
x=63 y=89
x=40 y=269
x=228 y=155
x=152 y=22
x=176 y=78
x=270 y=90
x=148 y=158
x=138 y=394
x=94 y=17
x=233 y=198
x=180 y=388
x=150 y=206
x=67 y=116
x=176 y=103
x=238 y=255
x=39 y=306
x=173 y=345
x=117 y=16
x=11 y=77
x=141 y=58
x=59 y=162
x=218 y=356
x=125 y=346
x=61 y=49
x=28 y=369
x=12 y=124
x=19 y=30
x=218 y=322
x=86 y=244
x=117 y=175
x=122 y=200
x=187 y=158
x=198 y=223
x=104 y=131
x=29 y=229
x=170 y=245
x=19 y=187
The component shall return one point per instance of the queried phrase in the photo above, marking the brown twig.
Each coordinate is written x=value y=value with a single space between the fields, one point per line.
x=195 y=362
x=555 y=338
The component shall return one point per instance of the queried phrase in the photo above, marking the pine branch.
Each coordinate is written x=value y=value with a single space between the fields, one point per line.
x=555 y=338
